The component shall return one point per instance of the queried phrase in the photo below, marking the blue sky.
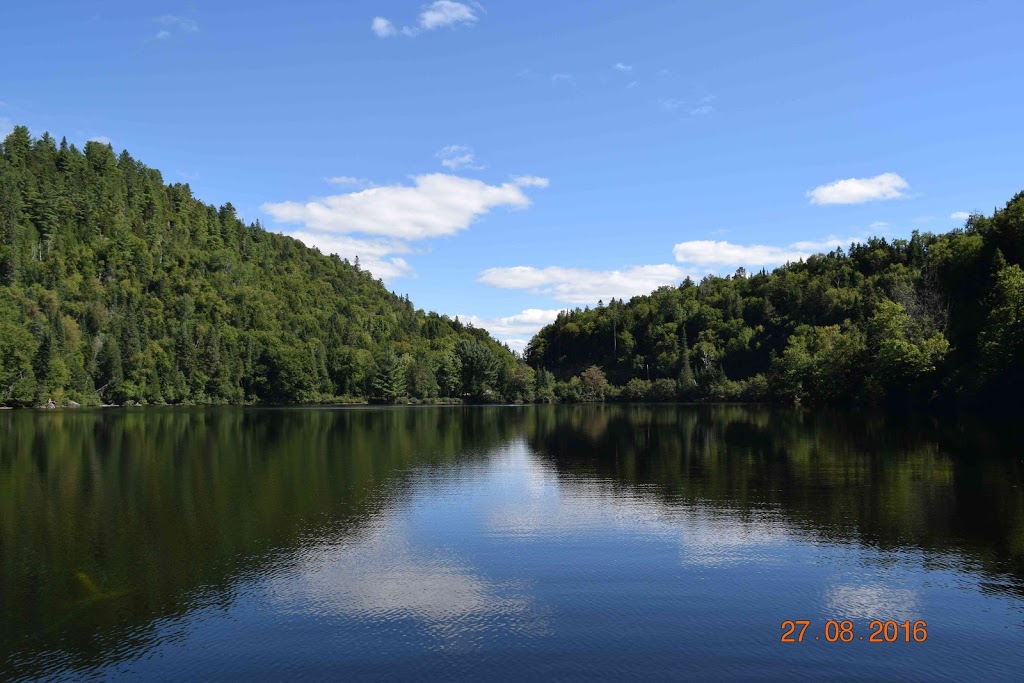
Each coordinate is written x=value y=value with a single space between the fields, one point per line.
x=502 y=161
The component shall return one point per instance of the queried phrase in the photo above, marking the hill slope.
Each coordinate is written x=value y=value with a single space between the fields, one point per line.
x=932 y=317
x=117 y=287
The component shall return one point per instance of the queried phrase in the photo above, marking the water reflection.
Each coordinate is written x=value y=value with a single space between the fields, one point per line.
x=886 y=482
x=566 y=540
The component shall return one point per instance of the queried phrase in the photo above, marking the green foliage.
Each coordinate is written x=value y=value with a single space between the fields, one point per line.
x=115 y=287
x=593 y=385
x=1001 y=340
x=389 y=382
x=935 y=317
x=479 y=370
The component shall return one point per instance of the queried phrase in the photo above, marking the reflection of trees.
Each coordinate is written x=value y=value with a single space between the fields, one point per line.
x=110 y=519
x=943 y=486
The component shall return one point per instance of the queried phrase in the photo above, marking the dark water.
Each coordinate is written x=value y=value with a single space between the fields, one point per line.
x=505 y=543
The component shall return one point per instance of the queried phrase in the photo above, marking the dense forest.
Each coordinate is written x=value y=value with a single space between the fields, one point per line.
x=935 y=318
x=118 y=288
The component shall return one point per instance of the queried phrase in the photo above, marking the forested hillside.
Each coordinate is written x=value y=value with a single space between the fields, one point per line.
x=115 y=287
x=930 y=318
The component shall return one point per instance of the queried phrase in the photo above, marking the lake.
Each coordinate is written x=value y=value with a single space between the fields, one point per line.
x=586 y=542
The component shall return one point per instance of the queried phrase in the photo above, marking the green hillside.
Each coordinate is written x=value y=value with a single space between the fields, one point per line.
x=935 y=317
x=116 y=287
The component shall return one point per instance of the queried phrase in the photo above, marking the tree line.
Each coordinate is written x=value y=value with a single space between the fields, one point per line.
x=116 y=287
x=933 y=318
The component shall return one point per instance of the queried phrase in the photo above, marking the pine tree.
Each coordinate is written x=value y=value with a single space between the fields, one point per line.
x=389 y=382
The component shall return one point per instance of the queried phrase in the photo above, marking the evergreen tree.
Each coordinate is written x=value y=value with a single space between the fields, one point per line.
x=389 y=382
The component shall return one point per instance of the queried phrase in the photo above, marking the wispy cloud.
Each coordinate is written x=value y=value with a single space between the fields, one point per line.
x=960 y=215
x=582 y=286
x=455 y=157
x=348 y=180
x=438 y=14
x=531 y=181
x=623 y=68
x=563 y=78
x=382 y=27
x=6 y=126
x=696 y=107
x=443 y=13
x=173 y=25
x=860 y=190
x=102 y=139
x=879 y=225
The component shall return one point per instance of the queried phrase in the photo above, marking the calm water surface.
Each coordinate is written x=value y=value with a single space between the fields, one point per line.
x=505 y=543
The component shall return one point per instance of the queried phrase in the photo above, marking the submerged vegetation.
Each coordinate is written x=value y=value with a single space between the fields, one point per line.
x=935 y=317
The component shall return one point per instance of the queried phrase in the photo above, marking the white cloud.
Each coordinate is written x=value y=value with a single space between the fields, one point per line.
x=860 y=190
x=960 y=215
x=531 y=181
x=175 y=25
x=446 y=13
x=879 y=225
x=696 y=259
x=436 y=205
x=581 y=286
x=718 y=256
x=438 y=14
x=828 y=244
x=103 y=139
x=348 y=180
x=712 y=254
x=623 y=68
x=382 y=27
x=515 y=330
x=563 y=78
x=458 y=156
x=374 y=255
